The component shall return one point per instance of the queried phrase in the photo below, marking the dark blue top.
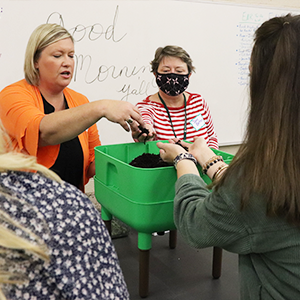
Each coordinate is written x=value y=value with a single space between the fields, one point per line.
x=84 y=264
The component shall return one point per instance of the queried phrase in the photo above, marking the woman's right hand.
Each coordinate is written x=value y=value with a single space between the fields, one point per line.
x=121 y=112
x=137 y=134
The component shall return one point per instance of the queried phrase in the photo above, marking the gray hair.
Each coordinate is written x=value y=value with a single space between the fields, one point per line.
x=173 y=51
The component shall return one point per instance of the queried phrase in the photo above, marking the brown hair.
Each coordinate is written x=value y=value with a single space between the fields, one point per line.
x=174 y=51
x=268 y=163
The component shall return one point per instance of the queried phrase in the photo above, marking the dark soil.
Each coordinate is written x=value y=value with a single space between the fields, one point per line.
x=148 y=160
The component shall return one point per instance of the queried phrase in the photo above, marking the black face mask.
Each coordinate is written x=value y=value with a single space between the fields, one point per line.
x=172 y=84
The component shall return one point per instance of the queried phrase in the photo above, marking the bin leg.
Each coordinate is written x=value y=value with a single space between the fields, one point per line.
x=217 y=262
x=108 y=226
x=106 y=217
x=144 y=245
x=144 y=273
x=172 y=239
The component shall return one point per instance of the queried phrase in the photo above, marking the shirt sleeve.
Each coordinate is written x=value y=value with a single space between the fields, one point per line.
x=213 y=140
x=94 y=141
x=21 y=114
x=206 y=218
x=147 y=112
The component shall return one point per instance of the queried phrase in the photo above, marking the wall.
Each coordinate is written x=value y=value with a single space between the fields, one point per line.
x=115 y=41
x=270 y=3
x=293 y=4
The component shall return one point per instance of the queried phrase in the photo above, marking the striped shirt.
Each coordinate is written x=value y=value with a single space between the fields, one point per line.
x=199 y=120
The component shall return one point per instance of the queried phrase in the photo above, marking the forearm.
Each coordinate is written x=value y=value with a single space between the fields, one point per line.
x=91 y=170
x=206 y=155
x=186 y=166
x=64 y=125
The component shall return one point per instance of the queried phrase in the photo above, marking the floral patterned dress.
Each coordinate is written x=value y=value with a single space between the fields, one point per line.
x=83 y=262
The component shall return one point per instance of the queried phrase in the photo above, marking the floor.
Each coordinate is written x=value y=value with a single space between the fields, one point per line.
x=180 y=273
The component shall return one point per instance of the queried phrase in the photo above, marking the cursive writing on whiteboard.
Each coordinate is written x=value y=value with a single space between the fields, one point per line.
x=86 y=69
x=92 y=32
x=103 y=72
x=143 y=89
x=83 y=65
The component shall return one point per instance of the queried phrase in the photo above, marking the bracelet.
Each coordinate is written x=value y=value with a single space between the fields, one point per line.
x=213 y=160
x=219 y=171
x=182 y=156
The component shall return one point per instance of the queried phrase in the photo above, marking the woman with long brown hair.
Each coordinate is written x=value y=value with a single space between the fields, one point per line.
x=254 y=207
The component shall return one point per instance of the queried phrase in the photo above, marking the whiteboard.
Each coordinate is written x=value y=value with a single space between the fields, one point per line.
x=116 y=40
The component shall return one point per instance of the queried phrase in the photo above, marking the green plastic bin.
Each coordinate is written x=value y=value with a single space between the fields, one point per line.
x=140 y=197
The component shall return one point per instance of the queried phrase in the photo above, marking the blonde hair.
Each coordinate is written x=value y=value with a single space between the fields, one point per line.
x=43 y=36
x=9 y=240
x=11 y=160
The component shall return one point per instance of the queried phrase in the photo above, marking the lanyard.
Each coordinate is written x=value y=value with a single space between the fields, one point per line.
x=184 y=130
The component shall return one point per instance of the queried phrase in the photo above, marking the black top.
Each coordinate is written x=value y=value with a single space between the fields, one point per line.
x=69 y=162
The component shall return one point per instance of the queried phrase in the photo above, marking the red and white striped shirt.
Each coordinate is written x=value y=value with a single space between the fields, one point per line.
x=199 y=121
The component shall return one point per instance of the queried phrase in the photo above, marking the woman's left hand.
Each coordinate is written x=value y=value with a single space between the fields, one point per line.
x=168 y=151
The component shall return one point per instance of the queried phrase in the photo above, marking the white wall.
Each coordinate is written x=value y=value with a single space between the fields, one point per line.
x=264 y=3
x=270 y=3
x=293 y=4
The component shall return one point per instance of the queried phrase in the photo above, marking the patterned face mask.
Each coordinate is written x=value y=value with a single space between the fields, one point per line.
x=172 y=84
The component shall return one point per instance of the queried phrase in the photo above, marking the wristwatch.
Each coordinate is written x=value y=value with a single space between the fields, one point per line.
x=182 y=156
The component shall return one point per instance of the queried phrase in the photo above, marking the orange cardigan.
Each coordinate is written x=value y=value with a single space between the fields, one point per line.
x=21 y=111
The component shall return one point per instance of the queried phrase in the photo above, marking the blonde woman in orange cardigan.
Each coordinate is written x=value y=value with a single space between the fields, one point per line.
x=47 y=119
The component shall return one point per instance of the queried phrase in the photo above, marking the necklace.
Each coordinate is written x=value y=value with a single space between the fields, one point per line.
x=166 y=108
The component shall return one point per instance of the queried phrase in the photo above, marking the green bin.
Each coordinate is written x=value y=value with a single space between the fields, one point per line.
x=140 y=197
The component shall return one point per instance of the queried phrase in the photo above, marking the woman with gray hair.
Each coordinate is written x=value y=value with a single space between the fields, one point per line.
x=47 y=119
x=173 y=112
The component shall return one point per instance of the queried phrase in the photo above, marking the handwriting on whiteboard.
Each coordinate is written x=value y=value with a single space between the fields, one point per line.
x=86 y=69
